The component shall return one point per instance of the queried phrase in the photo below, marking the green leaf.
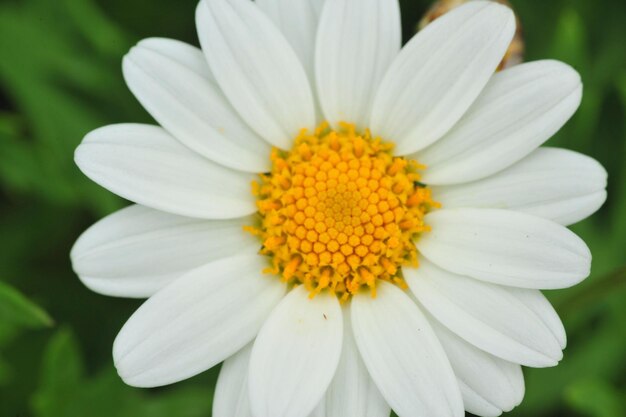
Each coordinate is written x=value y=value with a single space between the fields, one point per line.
x=62 y=371
x=9 y=123
x=621 y=87
x=18 y=310
x=570 y=40
x=103 y=34
x=62 y=73
x=595 y=398
x=65 y=390
x=5 y=372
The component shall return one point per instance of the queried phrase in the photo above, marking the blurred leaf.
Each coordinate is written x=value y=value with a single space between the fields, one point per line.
x=621 y=87
x=18 y=310
x=8 y=123
x=17 y=314
x=570 y=46
x=570 y=39
x=66 y=391
x=61 y=376
x=102 y=33
x=595 y=398
x=63 y=86
x=5 y=371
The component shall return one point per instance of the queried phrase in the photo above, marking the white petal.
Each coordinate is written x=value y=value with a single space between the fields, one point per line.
x=476 y=404
x=192 y=108
x=298 y=21
x=489 y=384
x=196 y=322
x=137 y=251
x=295 y=355
x=541 y=306
x=146 y=165
x=439 y=73
x=556 y=184
x=356 y=42
x=231 y=397
x=489 y=316
x=505 y=247
x=319 y=411
x=257 y=69
x=352 y=392
x=568 y=212
x=404 y=356
x=520 y=109
x=181 y=52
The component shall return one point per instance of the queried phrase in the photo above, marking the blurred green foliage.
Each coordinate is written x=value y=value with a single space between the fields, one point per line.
x=60 y=77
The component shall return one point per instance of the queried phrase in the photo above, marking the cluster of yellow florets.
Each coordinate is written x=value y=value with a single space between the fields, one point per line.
x=339 y=211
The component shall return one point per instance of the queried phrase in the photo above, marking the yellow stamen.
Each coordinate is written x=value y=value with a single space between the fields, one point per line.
x=339 y=212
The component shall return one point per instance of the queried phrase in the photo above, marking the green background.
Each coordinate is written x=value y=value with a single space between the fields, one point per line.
x=60 y=77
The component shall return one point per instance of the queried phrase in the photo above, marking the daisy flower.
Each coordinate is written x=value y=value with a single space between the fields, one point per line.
x=350 y=226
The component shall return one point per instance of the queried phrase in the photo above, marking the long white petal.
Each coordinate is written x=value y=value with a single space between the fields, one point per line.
x=543 y=309
x=489 y=316
x=352 y=392
x=505 y=247
x=403 y=355
x=439 y=74
x=356 y=42
x=137 y=251
x=295 y=355
x=232 y=398
x=146 y=165
x=298 y=21
x=196 y=322
x=520 y=109
x=181 y=52
x=568 y=212
x=489 y=385
x=191 y=106
x=257 y=69
x=555 y=184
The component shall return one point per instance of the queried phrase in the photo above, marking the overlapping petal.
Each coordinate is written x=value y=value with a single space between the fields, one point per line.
x=505 y=247
x=298 y=21
x=556 y=184
x=520 y=109
x=295 y=355
x=181 y=52
x=232 y=398
x=356 y=42
x=489 y=316
x=439 y=74
x=170 y=82
x=137 y=250
x=257 y=69
x=352 y=393
x=146 y=165
x=403 y=355
x=196 y=322
x=489 y=385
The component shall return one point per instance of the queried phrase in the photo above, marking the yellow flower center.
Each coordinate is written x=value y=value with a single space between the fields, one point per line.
x=340 y=212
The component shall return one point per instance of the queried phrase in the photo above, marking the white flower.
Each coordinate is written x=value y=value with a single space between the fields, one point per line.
x=337 y=214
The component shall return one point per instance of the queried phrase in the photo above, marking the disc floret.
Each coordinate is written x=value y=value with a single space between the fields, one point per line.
x=340 y=212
